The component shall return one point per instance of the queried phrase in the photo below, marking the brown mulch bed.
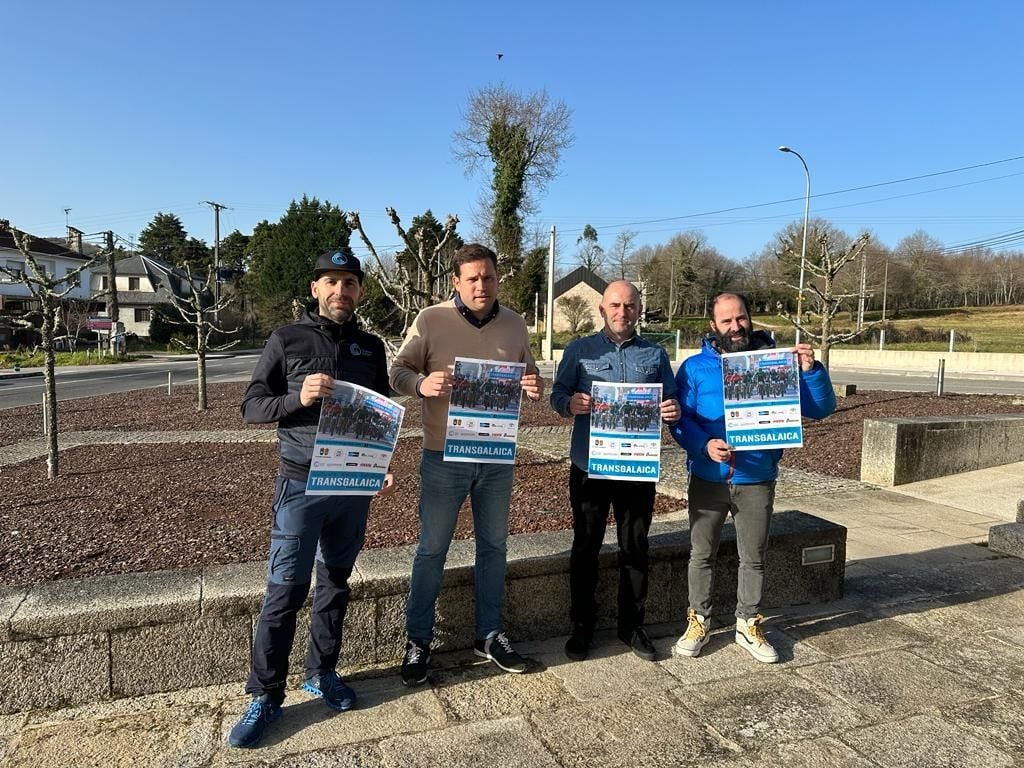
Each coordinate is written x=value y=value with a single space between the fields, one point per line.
x=117 y=509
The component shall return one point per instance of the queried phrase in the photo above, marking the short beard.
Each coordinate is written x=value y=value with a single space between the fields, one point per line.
x=726 y=344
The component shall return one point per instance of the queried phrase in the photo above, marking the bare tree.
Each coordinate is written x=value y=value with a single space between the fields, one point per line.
x=198 y=312
x=48 y=290
x=826 y=300
x=577 y=313
x=396 y=280
x=621 y=253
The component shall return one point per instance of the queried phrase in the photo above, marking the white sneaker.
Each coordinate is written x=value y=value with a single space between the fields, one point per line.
x=695 y=637
x=750 y=636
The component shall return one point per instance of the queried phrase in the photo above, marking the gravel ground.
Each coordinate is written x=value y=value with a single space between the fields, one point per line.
x=120 y=508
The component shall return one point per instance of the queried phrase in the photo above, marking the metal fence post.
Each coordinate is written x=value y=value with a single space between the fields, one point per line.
x=170 y=378
x=942 y=378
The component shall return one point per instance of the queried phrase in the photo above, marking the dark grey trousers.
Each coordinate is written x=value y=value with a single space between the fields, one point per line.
x=751 y=507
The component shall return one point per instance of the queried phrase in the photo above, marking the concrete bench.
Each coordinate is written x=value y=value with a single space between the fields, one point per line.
x=1008 y=538
x=898 y=451
x=72 y=642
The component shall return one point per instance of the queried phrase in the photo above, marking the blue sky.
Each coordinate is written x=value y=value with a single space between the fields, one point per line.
x=120 y=110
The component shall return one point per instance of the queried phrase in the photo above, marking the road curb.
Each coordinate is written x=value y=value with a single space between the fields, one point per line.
x=20 y=375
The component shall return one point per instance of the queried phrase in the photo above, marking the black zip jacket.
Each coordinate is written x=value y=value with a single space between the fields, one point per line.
x=314 y=344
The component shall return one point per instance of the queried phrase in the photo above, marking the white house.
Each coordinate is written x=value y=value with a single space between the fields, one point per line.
x=142 y=283
x=584 y=283
x=55 y=258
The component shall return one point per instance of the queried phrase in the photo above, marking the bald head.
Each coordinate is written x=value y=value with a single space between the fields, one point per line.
x=620 y=308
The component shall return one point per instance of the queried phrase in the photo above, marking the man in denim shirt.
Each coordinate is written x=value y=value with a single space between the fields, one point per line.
x=614 y=354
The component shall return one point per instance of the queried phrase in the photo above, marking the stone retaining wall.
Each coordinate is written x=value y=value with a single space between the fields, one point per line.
x=72 y=642
x=898 y=451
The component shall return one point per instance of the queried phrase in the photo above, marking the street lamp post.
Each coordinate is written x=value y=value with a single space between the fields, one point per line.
x=803 y=248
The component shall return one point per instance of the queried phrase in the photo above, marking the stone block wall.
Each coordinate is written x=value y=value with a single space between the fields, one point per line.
x=898 y=451
x=73 y=642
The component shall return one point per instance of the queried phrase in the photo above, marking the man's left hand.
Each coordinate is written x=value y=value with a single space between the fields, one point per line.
x=804 y=356
x=533 y=386
x=670 y=411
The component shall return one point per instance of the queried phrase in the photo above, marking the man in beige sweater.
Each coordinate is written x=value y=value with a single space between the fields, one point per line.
x=471 y=324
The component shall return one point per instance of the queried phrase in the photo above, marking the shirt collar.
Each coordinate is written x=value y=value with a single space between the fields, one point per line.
x=475 y=321
x=619 y=344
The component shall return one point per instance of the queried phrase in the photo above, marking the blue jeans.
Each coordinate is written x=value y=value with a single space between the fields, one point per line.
x=443 y=488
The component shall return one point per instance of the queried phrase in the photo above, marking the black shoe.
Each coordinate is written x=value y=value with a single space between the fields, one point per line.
x=498 y=649
x=642 y=645
x=577 y=647
x=414 y=665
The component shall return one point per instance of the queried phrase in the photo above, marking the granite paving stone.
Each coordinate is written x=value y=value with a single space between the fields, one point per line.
x=181 y=737
x=938 y=619
x=853 y=633
x=925 y=740
x=610 y=670
x=825 y=752
x=998 y=721
x=510 y=743
x=892 y=683
x=355 y=756
x=722 y=658
x=385 y=708
x=985 y=659
x=1010 y=635
x=866 y=582
x=484 y=692
x=638 y=731
x=758 y=710
x=998 y=611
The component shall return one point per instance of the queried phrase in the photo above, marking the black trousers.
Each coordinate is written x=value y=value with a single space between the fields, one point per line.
x=327 y=531
x=633 y=505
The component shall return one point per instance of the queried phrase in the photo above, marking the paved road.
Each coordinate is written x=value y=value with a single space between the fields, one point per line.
x=980 y=384
x=97 y=380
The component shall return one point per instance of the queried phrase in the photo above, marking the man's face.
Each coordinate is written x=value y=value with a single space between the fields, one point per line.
x=477 y=285
x=620 y=308
x=731 y=325
x=338 y=294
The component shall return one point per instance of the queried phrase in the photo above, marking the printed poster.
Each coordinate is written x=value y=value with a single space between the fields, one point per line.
x=354 y=442
x=761 y=390
x=625 y=431
x=483 y=411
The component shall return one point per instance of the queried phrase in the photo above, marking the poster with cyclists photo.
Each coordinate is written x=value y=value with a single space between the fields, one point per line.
x=761 y=390
x=354 y=442
x=483 y=411
x=625 y=431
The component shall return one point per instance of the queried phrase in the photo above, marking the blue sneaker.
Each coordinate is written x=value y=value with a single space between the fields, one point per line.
x=332 y=689
x=250 y=729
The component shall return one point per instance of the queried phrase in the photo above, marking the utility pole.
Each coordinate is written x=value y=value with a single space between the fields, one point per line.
x=112 y=309
x=885 y=289
x=863 y=290
x=216 y=253
x=671 y=285
x=549 y=310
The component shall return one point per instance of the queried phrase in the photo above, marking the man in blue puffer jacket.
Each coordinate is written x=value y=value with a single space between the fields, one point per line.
x=723 y=480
